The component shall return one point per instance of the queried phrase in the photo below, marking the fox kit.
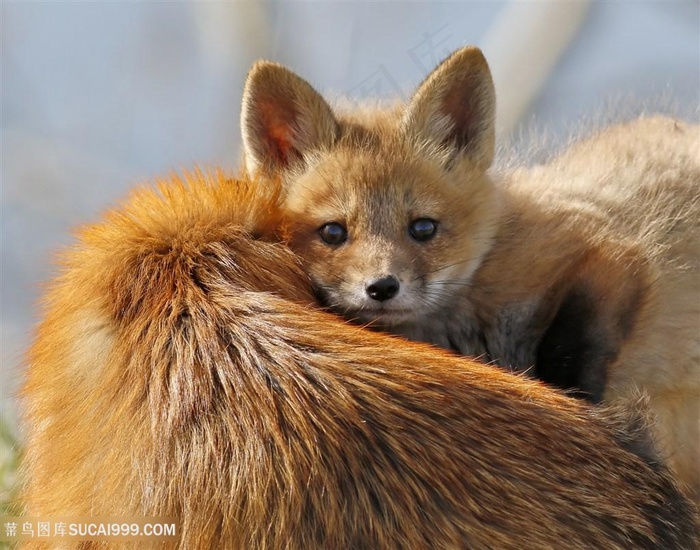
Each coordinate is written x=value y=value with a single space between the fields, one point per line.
x=180 y=371
x=582 y=272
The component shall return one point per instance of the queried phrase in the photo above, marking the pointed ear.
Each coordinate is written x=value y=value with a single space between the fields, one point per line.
x=455 y=106
x=282 y=118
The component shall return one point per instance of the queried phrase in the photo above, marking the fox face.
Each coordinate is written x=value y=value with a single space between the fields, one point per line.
x=391 y=211
x=386 y=234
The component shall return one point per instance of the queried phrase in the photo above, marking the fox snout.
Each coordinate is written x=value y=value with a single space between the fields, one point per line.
x=383 y=289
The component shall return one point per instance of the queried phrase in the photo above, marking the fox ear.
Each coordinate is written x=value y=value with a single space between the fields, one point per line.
x=455 y=107
x=282 y=118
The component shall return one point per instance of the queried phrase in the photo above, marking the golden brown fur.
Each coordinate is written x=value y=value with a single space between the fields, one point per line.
x=583 y=272
x=181 y=372
x=616 y=219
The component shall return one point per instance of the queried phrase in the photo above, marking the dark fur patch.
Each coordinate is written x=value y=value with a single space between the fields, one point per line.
x=573 y=353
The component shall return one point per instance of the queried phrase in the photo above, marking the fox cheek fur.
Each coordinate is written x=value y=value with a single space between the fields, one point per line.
x=348 y=169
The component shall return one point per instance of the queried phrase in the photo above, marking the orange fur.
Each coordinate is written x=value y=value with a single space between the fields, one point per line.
x=181 y=371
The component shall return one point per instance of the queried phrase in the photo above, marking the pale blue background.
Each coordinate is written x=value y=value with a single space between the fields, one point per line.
x=99 y=96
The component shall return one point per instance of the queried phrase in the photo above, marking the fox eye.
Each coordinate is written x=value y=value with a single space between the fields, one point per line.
x=333 y=233
x=422 y=229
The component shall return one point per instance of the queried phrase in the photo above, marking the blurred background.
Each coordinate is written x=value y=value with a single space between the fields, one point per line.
x=97 y=97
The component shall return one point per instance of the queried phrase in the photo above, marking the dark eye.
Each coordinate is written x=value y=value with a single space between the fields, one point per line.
x=333 y=233
x=422 y=229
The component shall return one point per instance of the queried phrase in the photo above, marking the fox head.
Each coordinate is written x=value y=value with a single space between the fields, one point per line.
x=391 y=210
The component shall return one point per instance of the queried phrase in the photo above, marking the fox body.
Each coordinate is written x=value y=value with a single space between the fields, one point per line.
x=583 y=272
x=181 y=371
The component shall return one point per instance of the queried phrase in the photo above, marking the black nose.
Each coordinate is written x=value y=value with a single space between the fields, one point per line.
x=383 y=289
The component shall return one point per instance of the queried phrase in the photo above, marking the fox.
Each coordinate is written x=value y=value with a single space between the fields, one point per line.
x=183 y=369
x=582 y=271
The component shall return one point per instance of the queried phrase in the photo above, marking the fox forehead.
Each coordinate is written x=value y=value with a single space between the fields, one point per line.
x=364 y=186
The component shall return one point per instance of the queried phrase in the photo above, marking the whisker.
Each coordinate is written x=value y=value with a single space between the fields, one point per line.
x=464 y=282
x=442 y=268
